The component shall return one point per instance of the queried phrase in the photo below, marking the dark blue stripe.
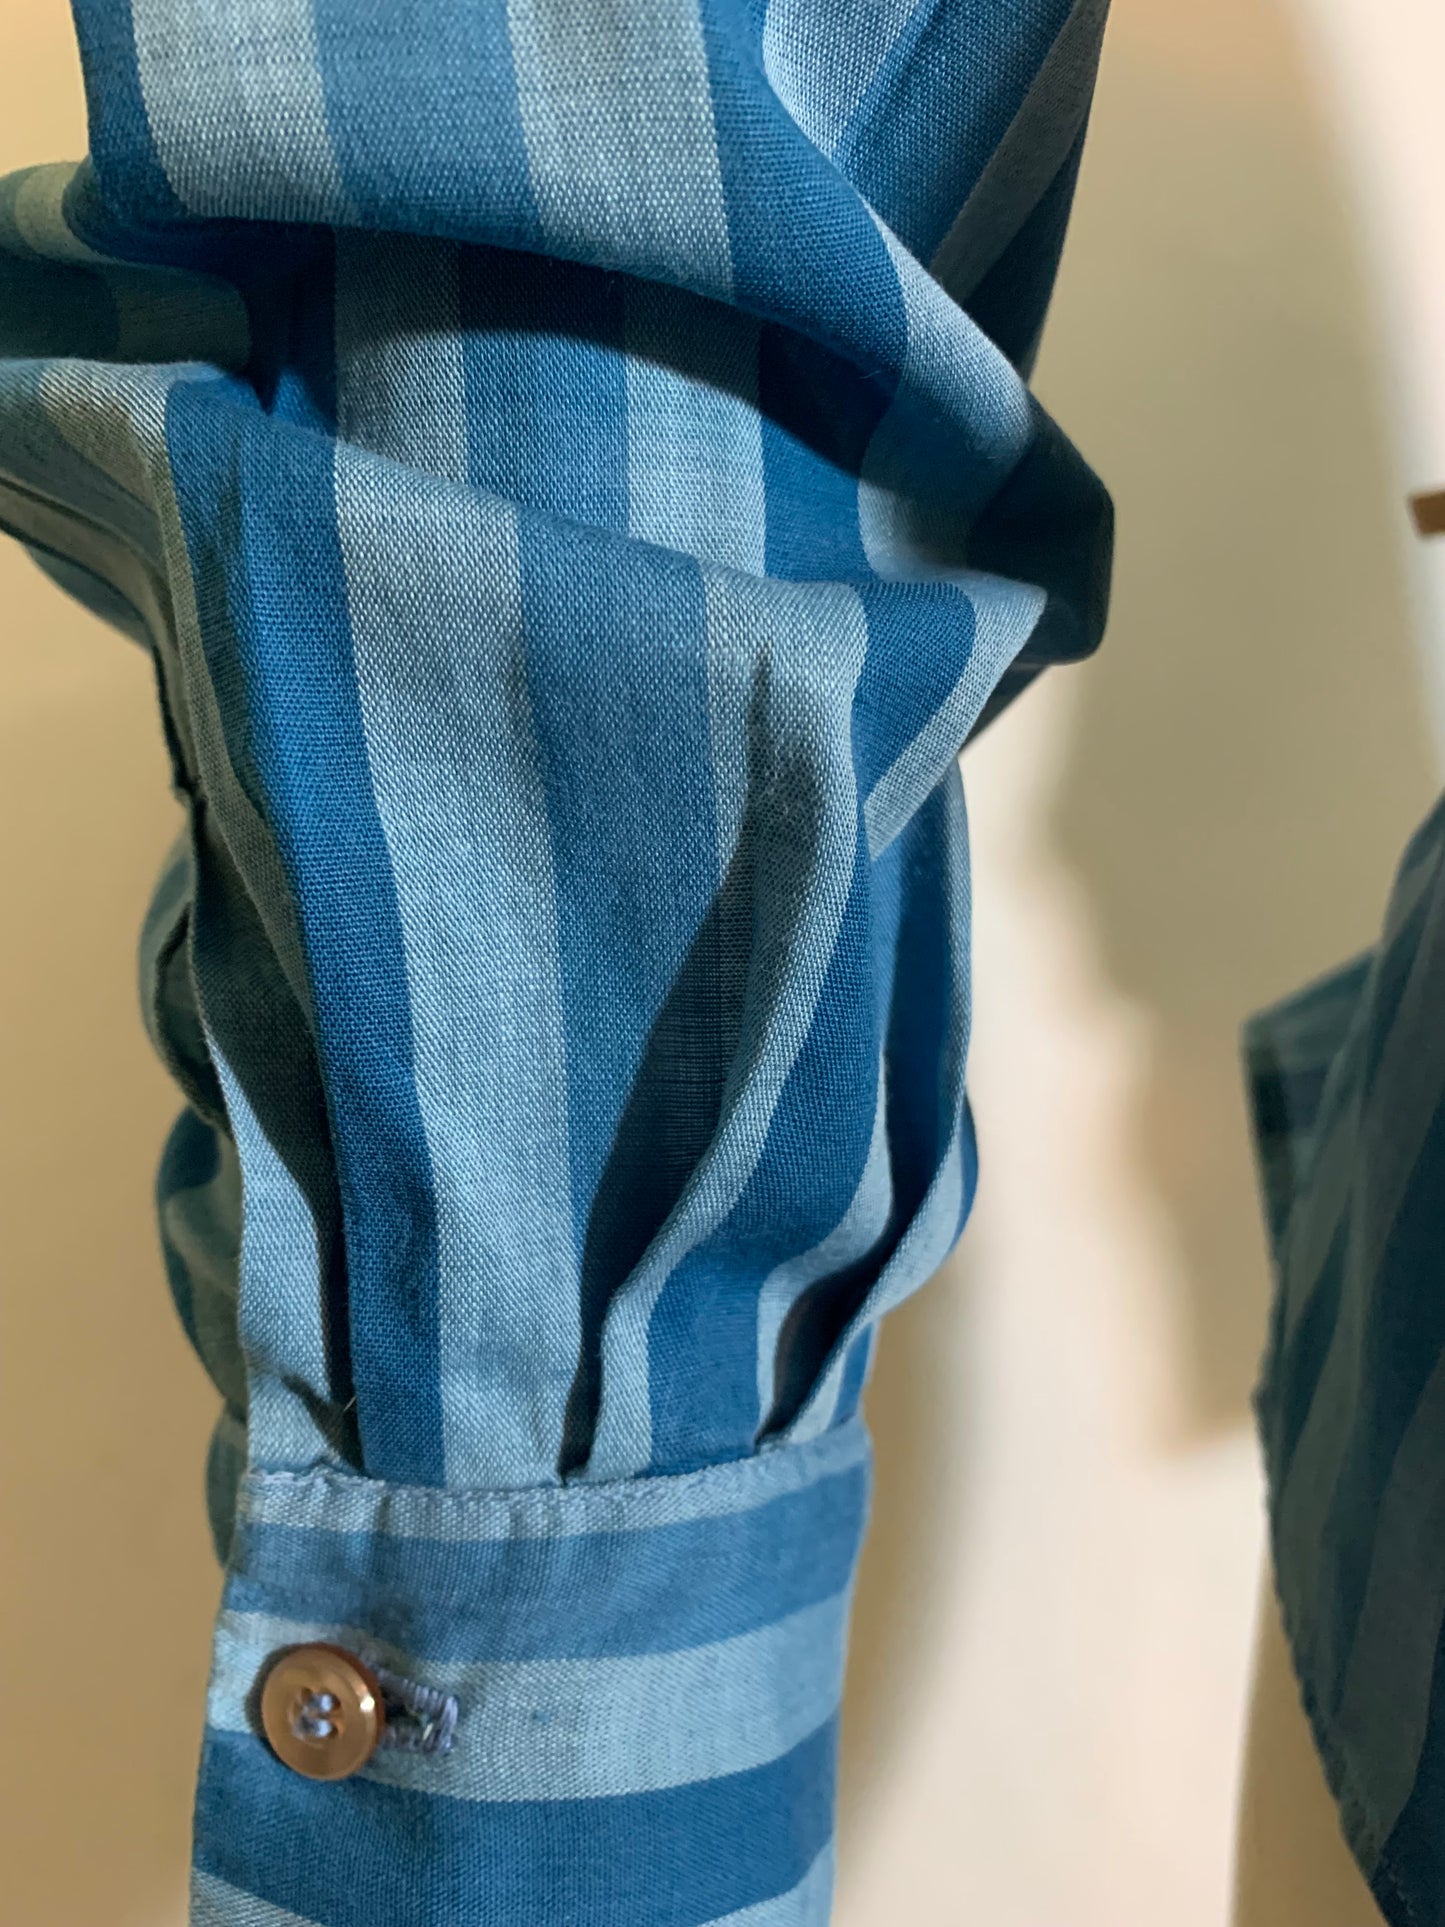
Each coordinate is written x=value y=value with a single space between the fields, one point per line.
x=921 y=1100
x=1285 y=1103
x=818 y=417
x=55 y=308
x=421 y=105
x=1011 y=303
x=920 y=639
x=293 y=342
x=258 y=505
x=1051 y=523
x=920 y=1104
x=804 y=1180
x=840 y=291
x=367 y=1855
x=937 y=109
x=545 y=374
x=1283 y=1109
x=574 y=1598
x=616 y=642
x=189 y=1161
x=122 y=151
x=918 y=976
x=260 y=1031
x=1402 y=1340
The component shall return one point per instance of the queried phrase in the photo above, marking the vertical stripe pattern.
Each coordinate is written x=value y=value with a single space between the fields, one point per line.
x=576 y=533
x=1348 y=1087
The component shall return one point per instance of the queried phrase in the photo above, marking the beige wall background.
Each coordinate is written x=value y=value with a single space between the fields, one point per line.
x=1056 y=1625
x=1047 y=1703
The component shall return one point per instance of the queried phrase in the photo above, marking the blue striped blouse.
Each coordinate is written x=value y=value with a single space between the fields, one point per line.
x=1348 y=1082
x=572 y=463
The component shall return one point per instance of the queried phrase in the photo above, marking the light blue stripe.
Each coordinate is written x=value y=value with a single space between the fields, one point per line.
x=730 y=677
x=822 y=56
x=811 y=643
x=694 y=435
x=579 y=1729
x=401 y=388
x=606 y=90
x=341 y=1502
x=929 y=1238
x=656 y=647
x=216 y=1903
x=695 y=483
x=1005 y=614
x=436 y=622
x=923 y=1248
x=115 y=417
x=237 y=113
x=806 y=1905
x=860 y=1227
x=282 y=1330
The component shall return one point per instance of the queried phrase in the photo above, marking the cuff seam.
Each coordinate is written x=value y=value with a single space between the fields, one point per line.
x=318 y=1495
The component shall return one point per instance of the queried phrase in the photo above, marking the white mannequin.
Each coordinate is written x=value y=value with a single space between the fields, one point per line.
x=1380 y=64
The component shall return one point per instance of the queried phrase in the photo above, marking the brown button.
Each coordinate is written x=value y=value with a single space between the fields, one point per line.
x=322 y=1711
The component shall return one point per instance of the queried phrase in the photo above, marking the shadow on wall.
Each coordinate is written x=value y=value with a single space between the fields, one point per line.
x=1248 y=753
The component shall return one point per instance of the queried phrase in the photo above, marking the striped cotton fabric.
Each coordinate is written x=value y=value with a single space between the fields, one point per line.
x=1349 y=1096
x=572 y=463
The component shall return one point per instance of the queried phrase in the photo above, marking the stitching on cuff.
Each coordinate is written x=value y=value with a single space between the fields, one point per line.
x=332 y=1499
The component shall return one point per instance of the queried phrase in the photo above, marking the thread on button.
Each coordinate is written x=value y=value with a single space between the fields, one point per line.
x=311 y=1720
x=419 y=1719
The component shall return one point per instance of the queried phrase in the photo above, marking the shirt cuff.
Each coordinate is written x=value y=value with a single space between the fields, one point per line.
x=646 y=1679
